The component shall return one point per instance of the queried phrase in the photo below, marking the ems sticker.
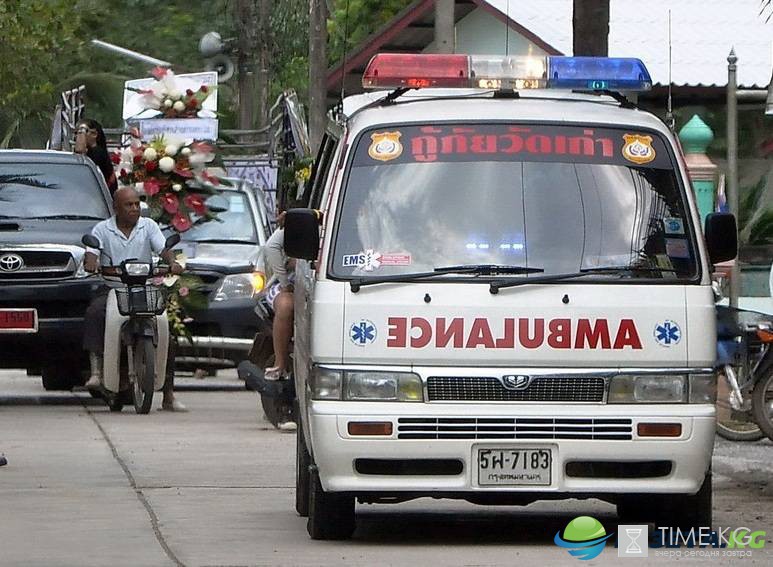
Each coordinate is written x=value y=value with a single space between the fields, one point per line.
x=370 y=260
x=668 y=333
x=362 y=333
x=386 y=146
x=677 y=248
x=673 y=225
x=638 y=149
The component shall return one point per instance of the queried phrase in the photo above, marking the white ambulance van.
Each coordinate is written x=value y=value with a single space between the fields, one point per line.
x=509 y=298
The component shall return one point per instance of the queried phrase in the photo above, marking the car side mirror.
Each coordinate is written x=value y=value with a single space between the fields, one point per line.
x=721 y=237
x=91 y=241
x=302 y=234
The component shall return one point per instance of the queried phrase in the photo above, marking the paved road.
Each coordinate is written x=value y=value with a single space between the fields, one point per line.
x=215 y=487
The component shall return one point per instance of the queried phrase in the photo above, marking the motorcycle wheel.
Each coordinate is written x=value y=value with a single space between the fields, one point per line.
x=734 y=425
x=762 y=402
x=145 y=370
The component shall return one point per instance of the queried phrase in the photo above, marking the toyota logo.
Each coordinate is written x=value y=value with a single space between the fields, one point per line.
x=11 y=263
x=516 y=382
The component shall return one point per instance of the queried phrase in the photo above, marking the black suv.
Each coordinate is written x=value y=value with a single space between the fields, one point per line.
x=48 y=201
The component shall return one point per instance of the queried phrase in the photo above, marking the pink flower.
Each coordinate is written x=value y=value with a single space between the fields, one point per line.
x=170 y=203
x=195 y=202
x=209 y=177
x=187 y=173
x=158 y=280
x=159 y=72
x=184 y=291
x=202 y=147
x=152 y=186
x=115 y=157
x=181 y=222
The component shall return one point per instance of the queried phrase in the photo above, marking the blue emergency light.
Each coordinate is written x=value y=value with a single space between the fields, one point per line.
x=393 y=70
x=598 y=73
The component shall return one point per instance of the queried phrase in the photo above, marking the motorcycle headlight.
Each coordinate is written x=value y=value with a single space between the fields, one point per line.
x=365 y=385
x=240 y=286
x=137 y=269
x=648 y=389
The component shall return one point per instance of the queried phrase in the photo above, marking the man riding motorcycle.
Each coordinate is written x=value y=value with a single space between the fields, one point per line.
x=126 y=235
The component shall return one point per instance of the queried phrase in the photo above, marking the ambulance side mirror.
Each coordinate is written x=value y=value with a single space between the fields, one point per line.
x=721 y=237
x=302 y=234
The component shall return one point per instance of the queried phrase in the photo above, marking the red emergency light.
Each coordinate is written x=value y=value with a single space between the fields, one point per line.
x=392 y=70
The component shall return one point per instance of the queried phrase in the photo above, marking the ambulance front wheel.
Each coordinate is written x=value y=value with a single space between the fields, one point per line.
x=331 y=514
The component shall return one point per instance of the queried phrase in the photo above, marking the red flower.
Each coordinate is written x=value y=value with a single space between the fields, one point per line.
x=189 y=92
x=170 y=203
x=115 y=157
x=204 y=88
x=137 y=158
x=192 y=103
x=195 y=202
x=181 y=222
x=152 y=186
x=202 y=147
x=151 y=165
x=187 y=173
x=123 y=173
x=211 y=178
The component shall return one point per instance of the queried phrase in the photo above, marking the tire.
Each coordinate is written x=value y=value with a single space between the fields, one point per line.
x=302 y=475
x=61 y=375
x=673 y=510
x=762 y=400
x=331 y=514
x=734 y=425
x=145 y=369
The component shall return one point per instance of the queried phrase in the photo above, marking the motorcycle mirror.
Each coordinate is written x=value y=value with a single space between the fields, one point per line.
x=91 y=241
x=172 y=240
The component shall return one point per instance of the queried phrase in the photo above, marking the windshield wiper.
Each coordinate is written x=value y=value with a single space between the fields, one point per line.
x=476 y=269
x=65 y=217
x=494 y=287
x=224 y=241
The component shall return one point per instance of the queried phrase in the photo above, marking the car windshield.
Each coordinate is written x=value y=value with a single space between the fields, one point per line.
x=559 y=198
x=35 y=190
x=234 y=224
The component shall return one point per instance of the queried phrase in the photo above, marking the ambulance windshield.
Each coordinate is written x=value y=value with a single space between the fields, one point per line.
x=559 y=198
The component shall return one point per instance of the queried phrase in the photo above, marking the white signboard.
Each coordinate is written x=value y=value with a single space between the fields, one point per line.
x=133 y=108
x=187 y=129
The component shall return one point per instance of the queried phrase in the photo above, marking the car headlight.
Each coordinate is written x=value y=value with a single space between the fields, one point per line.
x=366 y=385
x=703 y=388
x=240 y=286
x=648 y=389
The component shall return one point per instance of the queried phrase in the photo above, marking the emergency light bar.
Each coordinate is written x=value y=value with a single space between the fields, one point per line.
x=392 y=70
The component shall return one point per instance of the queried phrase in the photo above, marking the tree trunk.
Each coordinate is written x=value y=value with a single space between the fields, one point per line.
x=590 y=26
x=263 y=56
x=317 y=71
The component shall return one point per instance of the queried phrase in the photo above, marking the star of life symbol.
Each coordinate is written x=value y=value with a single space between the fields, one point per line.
x=668 y=333
x=632 y=541
x=362 y=333
x=371 y=261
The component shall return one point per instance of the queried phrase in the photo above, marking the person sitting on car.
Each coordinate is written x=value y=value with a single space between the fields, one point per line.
x=125 y=235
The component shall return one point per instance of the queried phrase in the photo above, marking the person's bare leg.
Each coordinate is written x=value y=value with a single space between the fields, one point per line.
x=283 y=329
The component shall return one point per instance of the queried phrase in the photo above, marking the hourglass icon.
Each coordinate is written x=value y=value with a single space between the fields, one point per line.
x=633 y=534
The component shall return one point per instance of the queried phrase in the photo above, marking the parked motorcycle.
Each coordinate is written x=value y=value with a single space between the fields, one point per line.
x=276 y=397
x=136 y=333
x=762 y=395
x=742 y=356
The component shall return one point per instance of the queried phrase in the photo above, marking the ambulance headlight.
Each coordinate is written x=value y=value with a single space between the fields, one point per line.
x=648 y=389
x=388 y=386
x=365 y=385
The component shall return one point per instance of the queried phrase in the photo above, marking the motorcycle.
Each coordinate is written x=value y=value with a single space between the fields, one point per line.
x=136 y=333
x=277 y=398
x=743 y=355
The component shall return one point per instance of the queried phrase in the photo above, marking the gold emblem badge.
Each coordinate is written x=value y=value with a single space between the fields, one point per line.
x=386 y=146
x=638 y=149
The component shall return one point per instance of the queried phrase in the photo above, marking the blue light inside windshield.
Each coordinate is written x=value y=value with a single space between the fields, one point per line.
x=598 y=73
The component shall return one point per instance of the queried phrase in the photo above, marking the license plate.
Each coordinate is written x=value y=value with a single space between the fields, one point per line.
x=18 y=321
x=514 y=467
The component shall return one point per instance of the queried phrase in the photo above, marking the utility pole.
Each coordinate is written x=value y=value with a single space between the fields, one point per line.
x=263 y=57
x=444 y=26
x=590 y=26
x=732 y=165
x=317 y=71
x=247 y=48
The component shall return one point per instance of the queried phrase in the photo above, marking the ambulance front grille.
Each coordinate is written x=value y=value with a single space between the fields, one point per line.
x=588 y=428
x=540 y=389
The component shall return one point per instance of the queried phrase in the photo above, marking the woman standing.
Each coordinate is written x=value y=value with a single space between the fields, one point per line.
x=90 y=141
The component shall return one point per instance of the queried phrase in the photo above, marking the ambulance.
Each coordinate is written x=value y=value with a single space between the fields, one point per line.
x=509 y=296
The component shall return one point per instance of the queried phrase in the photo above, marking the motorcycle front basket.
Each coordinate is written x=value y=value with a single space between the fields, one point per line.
x=140 y=300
